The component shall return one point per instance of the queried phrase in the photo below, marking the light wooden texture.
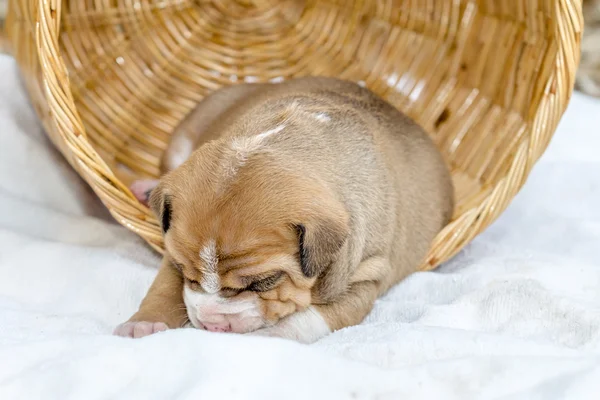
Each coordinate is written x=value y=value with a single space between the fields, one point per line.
x=488 y=79
x=587 y=79
x=3 y=38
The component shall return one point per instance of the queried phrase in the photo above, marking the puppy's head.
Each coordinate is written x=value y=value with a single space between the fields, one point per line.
x=250 y=237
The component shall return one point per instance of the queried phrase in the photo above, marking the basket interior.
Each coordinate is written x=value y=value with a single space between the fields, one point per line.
x=472 y=73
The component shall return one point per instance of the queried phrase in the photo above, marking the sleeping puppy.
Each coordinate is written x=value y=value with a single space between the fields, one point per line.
x=304 y=202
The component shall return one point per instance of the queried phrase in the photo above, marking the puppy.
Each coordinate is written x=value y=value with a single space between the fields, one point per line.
x=304 y=202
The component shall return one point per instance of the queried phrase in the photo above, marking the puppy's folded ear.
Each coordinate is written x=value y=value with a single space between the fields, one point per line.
x=161 y=205
x=320 y=239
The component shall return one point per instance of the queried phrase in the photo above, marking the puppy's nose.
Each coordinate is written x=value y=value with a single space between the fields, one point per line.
x=218 y=327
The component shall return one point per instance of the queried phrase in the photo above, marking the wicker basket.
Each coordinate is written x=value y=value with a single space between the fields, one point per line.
x=488 y=79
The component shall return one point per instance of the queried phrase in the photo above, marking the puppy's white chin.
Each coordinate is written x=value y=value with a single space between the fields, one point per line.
x=306 y=326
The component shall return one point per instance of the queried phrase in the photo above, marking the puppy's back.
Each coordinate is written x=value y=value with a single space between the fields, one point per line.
x=382 y=165
x=413 y=188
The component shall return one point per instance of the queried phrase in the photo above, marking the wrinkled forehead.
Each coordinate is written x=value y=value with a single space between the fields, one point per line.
x=213 y=241
x=242 y=243
x=216 y=262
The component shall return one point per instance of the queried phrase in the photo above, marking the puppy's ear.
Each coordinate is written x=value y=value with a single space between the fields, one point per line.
x=320 y=241
x=161 y=205
x=142 y=188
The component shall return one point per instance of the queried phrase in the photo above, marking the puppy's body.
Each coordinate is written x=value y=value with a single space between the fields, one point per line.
x=316 y=184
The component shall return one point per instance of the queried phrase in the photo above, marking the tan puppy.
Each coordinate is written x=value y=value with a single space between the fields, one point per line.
x=303 y=203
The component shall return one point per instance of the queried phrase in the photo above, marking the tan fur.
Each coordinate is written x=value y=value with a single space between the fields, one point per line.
x=364 y=181
x=165 y=299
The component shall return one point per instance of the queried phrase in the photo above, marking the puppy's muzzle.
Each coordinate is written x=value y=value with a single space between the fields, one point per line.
x=214 y=313
x=223 y=326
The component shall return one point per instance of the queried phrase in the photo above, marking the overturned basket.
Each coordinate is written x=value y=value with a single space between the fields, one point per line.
x=489 y=80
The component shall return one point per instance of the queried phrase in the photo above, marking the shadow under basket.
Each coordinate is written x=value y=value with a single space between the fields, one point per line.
x=488 y=80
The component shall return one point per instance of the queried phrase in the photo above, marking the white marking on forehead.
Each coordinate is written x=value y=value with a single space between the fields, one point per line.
x=247 y=144
x=244 y=146
x=270 y=132
x=208 y=255
x=210 y=281
x=322 y=117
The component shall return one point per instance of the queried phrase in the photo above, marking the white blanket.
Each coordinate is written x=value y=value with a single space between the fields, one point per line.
x=515 y=315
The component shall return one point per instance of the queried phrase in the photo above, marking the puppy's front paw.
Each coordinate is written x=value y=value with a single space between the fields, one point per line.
x=138 y=329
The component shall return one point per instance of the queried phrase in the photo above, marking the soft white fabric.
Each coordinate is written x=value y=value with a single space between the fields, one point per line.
x=515 y=315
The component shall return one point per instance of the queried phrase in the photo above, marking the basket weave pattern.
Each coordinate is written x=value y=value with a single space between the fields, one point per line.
x=489 y=80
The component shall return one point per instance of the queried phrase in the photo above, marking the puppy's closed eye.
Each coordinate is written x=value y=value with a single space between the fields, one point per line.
x=265 y=284
x=261 y=285
x=194 y=285
x=230 y=292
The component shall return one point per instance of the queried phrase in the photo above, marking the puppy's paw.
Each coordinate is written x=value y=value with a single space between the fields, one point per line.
x=142 y=188
x=138 y=329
